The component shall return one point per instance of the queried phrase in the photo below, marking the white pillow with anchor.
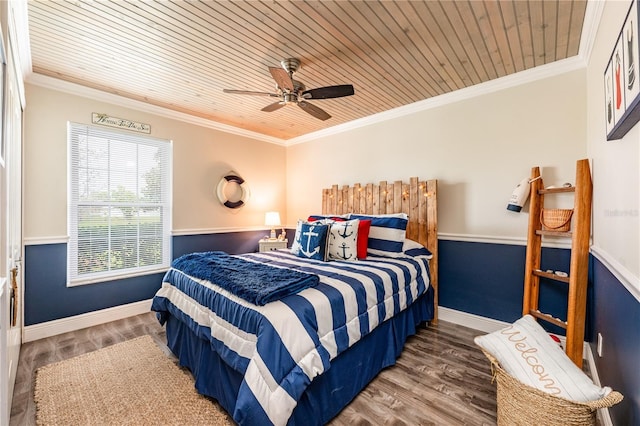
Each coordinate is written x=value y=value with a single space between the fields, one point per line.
x=343 y=240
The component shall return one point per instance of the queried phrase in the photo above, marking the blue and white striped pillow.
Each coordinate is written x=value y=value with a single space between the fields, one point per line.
x=414 y=249
x=387 y=233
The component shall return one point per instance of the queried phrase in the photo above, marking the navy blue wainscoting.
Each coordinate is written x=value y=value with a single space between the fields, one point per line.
x=230 y=242
x=617 y=318
x=488 y=280
x=48 y=298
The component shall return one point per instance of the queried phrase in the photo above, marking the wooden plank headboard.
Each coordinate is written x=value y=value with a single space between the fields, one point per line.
x=418 y=199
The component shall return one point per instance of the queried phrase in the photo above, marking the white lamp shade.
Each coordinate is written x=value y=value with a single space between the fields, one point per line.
x=272 y=219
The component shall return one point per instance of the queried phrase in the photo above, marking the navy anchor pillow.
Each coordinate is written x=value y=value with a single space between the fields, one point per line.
x=311 y=242
x=343 y=240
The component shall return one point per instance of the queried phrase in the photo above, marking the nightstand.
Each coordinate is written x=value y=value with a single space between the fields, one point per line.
x=268 y=245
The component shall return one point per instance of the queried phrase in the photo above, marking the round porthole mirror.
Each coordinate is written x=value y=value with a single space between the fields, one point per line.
x=232 y=191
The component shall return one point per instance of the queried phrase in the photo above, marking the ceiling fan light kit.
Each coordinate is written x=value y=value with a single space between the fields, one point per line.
x=292 y=91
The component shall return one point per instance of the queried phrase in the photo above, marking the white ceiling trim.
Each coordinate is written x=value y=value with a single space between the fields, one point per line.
x=18 y=12
x=592 y=16
x=506 y=82
x=94 y=94
x=509 y=81
x=591 y=22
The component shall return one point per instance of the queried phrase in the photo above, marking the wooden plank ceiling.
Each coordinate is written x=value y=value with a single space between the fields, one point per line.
x=181 y=54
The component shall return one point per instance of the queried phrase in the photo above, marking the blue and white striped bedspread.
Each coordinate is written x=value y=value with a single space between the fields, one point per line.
x=280 y=347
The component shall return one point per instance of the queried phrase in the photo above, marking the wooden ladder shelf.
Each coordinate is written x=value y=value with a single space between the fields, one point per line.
x=579 y=265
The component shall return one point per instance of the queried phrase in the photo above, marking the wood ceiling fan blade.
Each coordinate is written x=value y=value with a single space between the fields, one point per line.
x=318 y=113
x=329 y=92
x=272 y=107
x=282 y=78
x=249 y=92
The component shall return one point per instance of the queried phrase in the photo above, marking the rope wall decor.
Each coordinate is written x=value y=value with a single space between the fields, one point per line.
x=232 y=178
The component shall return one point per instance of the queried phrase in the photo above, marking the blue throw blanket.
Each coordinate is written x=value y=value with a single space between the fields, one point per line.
x=254 y=282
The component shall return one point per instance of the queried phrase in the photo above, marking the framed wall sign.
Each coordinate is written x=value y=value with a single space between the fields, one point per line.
x=622 y=79
x=119 y=123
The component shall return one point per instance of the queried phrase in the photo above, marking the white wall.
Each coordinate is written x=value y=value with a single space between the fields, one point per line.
x=478 y=149
x=616 y=165
x=201 y=156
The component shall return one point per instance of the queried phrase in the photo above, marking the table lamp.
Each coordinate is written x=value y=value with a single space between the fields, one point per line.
x=272 y=219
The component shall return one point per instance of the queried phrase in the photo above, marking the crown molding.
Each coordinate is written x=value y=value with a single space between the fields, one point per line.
x=506 y=82
x=98 y=95
x=593 y=14
x=590 y=24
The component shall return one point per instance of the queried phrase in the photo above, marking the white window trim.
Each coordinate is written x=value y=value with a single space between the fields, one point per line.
x=165 y=204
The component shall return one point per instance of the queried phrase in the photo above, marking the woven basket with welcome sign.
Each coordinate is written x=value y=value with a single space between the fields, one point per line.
x=556 y=219
x=520 y=404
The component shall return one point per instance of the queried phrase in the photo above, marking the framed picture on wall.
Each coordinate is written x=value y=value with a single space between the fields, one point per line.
x=619 y=105
x=630 y=50
x=621 y=79
x=608 y=97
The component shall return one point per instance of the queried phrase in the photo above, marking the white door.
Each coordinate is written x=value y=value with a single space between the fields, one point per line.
x=11 y=236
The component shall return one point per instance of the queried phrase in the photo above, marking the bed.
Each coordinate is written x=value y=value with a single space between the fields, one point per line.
x=290 y=358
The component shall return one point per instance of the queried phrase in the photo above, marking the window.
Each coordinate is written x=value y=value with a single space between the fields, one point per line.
x=119 y=204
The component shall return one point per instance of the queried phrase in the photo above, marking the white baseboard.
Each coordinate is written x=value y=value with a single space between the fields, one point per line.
x=603 y=414
x=489 y=325
x=476 y=322
x=64 y=325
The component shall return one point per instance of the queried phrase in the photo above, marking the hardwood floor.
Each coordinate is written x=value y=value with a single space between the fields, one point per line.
x=441 y=378
x=34 y=355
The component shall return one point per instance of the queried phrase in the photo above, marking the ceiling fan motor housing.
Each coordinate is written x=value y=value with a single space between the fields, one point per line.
x=295 y=95
x=290 y=65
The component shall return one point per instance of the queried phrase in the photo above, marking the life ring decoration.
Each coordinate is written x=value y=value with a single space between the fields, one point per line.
x=232 y=178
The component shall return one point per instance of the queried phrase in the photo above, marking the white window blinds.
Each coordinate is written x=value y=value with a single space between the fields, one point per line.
x=119 y=204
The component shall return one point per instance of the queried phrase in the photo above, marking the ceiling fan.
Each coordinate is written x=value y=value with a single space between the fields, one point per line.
x=292 y=91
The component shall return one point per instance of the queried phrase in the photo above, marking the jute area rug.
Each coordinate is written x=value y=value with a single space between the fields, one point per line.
x=129 y=383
